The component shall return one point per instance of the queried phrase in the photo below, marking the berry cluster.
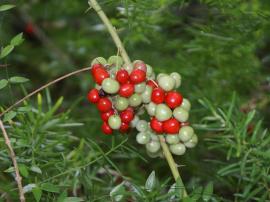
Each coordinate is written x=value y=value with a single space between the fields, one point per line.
x=124 y=92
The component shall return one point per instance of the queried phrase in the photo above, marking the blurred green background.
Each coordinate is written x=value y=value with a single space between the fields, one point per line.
x=219 y=47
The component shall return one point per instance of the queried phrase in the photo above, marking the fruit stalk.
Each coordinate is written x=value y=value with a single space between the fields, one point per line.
x=94 y=4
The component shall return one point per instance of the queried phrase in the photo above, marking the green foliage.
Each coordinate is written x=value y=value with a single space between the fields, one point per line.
x=219 y=47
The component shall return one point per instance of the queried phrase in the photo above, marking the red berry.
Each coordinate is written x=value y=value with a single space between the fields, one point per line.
x=127 y=116
x=122 y=76
x=171 y=126
x=152 y=83
x=140 y=65
x=106 y=115
x=173 y=99
x=104 y=104
x=137 y=76
x=100 y=74
x=29 y=28
x=126 y=90
x=158 y=96
x=93 y=96
x=106 y=129
x=156 y=125
x=124 y=127
x=95 y=67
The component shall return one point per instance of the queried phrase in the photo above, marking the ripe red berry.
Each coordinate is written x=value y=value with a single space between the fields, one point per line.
x=127 y=116
x=158 y=95
x=95 y=67
x=106 y=129
x=171 y=126
x=104 y=104
x=137 y=76
x=152 y=83
x=124 y=127
x=106 y=115
x=156 y=125
x=173 y=99
x=126 y=90
x=93 y=96
x=122 y=76
x=100 y=74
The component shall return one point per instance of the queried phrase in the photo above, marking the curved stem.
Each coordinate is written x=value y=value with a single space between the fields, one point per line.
x=94 y=4
x=43 y=87
x=14 y=161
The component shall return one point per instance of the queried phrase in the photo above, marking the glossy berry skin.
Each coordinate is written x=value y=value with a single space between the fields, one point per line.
x=126 y=90
x=171 y=126
x=137 y=76
x=124 y=127
x=173 y=99
x=95 y=67
x=106 y=128
x=122 y=76
x=152 y=83
x=100 y=74
x=156 y=125
x=93 y=96
x=105 y=115
x=104 y=105
x=140 y=65
x=158 y=96
x=127 y=116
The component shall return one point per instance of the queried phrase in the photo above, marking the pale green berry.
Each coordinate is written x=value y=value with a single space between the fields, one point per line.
x=172 y=139
x=114 y=122
x=177 y=78
x=129 y=68
x=186 y=104
x=154 y=137
x=99 y=60
x=166 y=82
x=151 y=108
x=146 y=95
x=192 y=142
x=149 y=70
x=152 y=77
x=142 y=126
x=98 y=87
x=110 y=86
x=115 y=60
x=178 y=149
x=112 y=72
x=141 y=111
x=163 y=112
x=153 y=146
x=180 y=114
x=153 y=155
x=143 y=138
x=135 y=100
x=121 y=103
x=134 y=122
x=161 y=75
x=186 y=133
x=139 y=88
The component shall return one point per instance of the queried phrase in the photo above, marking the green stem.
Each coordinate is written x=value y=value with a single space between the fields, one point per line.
x=94 y=4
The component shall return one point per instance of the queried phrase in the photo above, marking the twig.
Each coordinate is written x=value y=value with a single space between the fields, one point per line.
x=94 y=4
x=13 y=158
x=43 y=87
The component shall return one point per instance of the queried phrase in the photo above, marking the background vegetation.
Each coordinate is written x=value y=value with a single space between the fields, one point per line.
x=222 y=51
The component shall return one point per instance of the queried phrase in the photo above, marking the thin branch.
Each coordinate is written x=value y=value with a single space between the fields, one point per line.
x=94 y=4
x=45 y=86
x=14 y=161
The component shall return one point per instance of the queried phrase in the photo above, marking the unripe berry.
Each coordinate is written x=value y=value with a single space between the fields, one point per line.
x=99 y=60
x=186 y=104
x=134 y=122
x=135 y=100
x=178 y=149
x=192 y=142
x=115 y=60
x=163 y=112
x=110 y=86
x=142 y=126
x=121 y=103
x=153 y=146
x=143 y=138
x=139 y=88
x=186 y=133
x=138 y=64
x=114 y=122
x=177 y=79
x=166 y=83
x=172 y=139
x=180 y=114
x=151 y=108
